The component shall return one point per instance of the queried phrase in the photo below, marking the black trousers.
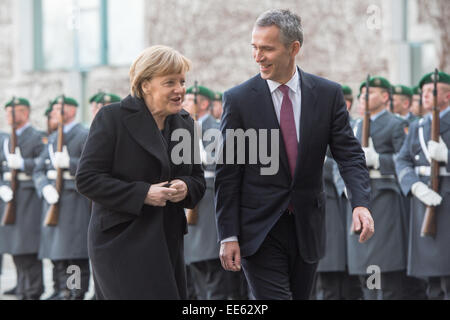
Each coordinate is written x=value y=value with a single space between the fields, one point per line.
x=30 y=281
x=338 y=286
x=209 y=280
x=61 y=268
x=277 y=271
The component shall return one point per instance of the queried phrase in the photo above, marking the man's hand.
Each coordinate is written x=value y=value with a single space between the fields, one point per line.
x=6 y=194
x=50 y=194
x=438 y=150
x=182 y=191
x=158 y=195
x=428 y=196
x=62 y=159
x=362 y=219
x=230 y=256
x=372 y=157
x=15 y=160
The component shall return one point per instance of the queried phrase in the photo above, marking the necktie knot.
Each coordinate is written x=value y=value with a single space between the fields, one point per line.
x=284 y=89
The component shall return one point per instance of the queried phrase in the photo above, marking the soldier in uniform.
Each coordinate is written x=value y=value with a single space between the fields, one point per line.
x=402 y=97
x=387 y=248
x=217 y=108
x=201 y=247
x=21 y=239
x=429 y=257
x=101 y=100
x=333 y=280
x=65 y=244
x=2 y=207
x=416 y=101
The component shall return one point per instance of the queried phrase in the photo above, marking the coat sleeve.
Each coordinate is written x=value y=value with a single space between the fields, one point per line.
x=349 y=155
x=228 y=176
x=94 y=175
x=30 y=163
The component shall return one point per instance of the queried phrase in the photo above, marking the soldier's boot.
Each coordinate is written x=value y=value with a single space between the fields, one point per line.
x=77 y=295
x=53 y=296
x=11 y=292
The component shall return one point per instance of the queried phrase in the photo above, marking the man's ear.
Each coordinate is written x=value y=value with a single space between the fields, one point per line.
x=295 y=48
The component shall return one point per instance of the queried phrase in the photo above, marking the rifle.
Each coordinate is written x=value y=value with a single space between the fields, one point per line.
x=391 y=99
x=429 y=220
x=9 y=215
x=51 y=218
x=192 y=214
x=366 y=121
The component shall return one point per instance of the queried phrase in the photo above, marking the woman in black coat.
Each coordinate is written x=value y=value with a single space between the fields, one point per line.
x=135 y=237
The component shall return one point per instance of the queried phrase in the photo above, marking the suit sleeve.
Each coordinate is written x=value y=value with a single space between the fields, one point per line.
x=94 y=179
x=347 y=152
x=228 y=176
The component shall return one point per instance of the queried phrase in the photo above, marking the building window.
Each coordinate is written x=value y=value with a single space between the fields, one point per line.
x=82 y=34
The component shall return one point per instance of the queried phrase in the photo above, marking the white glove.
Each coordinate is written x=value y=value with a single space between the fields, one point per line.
x=421 y=191
x=438 y=150
x=62 y=159
x=6 y=193
x=15 y=160
x=50 y=194
x=372 y=157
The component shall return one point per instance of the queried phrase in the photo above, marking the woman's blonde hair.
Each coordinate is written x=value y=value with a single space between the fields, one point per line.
x=153 y=62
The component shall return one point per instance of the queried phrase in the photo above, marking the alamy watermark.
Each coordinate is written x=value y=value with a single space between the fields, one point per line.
x=241 y=147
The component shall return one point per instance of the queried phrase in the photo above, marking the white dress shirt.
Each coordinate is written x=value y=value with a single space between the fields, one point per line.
x=295 y=95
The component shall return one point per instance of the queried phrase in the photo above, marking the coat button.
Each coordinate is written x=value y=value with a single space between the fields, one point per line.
x=417 y=157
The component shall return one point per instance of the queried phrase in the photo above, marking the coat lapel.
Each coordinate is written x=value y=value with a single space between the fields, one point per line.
x=445 y=123
x=142 y=127
x=269 y=119
x=308 y=108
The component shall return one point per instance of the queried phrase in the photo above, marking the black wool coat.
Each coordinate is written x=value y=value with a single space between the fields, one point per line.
x=136 y=250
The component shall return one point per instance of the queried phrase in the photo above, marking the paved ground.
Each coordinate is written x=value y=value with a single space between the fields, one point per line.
x=8 y=279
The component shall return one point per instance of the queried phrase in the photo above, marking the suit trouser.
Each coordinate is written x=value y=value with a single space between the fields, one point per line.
x=61 y=268
x=191 y=293
x=394 y=286
x=338 y=286
x=277 y=271
x=210 y=280
x=438 y=288
x=237 y=285
x=30 y=280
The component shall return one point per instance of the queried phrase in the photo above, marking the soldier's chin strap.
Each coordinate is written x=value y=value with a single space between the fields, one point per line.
x=422 y=141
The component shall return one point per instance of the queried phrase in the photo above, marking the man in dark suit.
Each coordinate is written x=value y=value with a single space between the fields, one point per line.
x=275 y=220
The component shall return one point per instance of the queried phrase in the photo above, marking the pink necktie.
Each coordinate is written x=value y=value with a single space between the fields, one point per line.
x=288 y=130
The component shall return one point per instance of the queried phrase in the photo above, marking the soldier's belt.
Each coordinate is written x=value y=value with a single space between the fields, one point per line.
x=376 y=174
x=426 y=171
x=209 y=174
x=21 y=176
x=52 y=174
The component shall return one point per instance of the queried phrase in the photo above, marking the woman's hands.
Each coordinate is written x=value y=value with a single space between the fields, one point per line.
x=158 y=194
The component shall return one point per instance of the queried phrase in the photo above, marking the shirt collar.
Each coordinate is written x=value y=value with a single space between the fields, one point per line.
x=203 y=118
x=21 y=130
x=293 y=84
x=69 y=126
x=441 y=115
x=375 y=117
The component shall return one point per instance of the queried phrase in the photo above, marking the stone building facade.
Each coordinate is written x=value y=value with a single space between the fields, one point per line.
x=344 y=40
